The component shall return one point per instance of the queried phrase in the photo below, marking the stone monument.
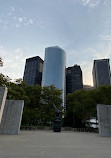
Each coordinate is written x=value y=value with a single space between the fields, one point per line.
x=3 y=95
x=11 y=118
x=57 y=121
x=104 y=119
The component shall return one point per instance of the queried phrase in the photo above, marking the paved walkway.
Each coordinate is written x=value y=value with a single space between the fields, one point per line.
x=46 y=144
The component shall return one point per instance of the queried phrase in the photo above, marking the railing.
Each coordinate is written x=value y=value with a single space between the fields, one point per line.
x=94 y=130
x=35 y=128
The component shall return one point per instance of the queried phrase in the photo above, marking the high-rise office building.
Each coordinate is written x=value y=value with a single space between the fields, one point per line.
x=73 y=79
x=33 y=71
x=101 y=72
x=54 y=68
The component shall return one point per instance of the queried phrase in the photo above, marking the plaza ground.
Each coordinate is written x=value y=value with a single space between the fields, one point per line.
x=47 y=144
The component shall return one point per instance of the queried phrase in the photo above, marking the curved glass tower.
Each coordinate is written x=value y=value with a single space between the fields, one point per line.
x=54 y=68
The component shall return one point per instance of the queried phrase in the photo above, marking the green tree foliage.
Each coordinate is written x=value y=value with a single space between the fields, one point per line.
x=49 y=96
x=38 y=109
x=38 y=101
x=31 y=111
x=4 y=80
x=103 y=95
x=1 y=62
x=81 y=105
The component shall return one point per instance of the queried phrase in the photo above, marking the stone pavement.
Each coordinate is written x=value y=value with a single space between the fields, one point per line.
x=46 y=144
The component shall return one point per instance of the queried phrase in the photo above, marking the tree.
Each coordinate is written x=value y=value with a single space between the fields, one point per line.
x=1 y=62
x=38 y=107
x=34 y=94
x=103 y=95
x=19 y=81
x=17 y=93
x=50 y=95
x=40 y=110
x=4 y=80
x=81 y=105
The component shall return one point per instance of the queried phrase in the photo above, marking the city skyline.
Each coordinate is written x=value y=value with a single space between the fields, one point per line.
x=80 y=27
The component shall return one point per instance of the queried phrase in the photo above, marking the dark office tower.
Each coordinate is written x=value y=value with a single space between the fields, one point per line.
x=73 y=79
x=101 y=72
x=33 y=71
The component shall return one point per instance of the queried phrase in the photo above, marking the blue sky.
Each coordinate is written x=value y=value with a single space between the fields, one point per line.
x=81 y=27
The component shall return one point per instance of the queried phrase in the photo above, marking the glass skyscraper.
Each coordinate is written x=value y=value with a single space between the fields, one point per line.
x=54 y=69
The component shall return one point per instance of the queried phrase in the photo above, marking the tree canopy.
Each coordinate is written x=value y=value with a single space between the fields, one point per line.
x=38 y=110
x=38 y=100
x=83 y=103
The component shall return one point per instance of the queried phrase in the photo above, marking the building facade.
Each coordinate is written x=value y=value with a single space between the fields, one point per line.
x=101 y=72
x=88 y=87
x=54 y=69
x=33 y=71
x=74 y=79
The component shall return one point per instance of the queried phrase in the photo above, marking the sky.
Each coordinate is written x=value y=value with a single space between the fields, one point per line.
x=81 y=27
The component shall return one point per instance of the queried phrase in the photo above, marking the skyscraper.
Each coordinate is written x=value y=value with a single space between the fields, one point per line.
x=54 y=68
x=73 y=79
x=101 y=72
x=33 y=71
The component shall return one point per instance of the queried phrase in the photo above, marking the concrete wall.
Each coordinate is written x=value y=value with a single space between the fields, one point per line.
x=104 y=119
x=12 y=115
x=3 y=94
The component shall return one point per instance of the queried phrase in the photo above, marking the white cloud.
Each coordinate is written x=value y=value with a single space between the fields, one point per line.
x=91 y=3
x=31 y=21
x=20 y=19
x=105 y=53
x=17 y=25
x=13 y=62
x=105 y=37
x=12 y=8
x=17 y=18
